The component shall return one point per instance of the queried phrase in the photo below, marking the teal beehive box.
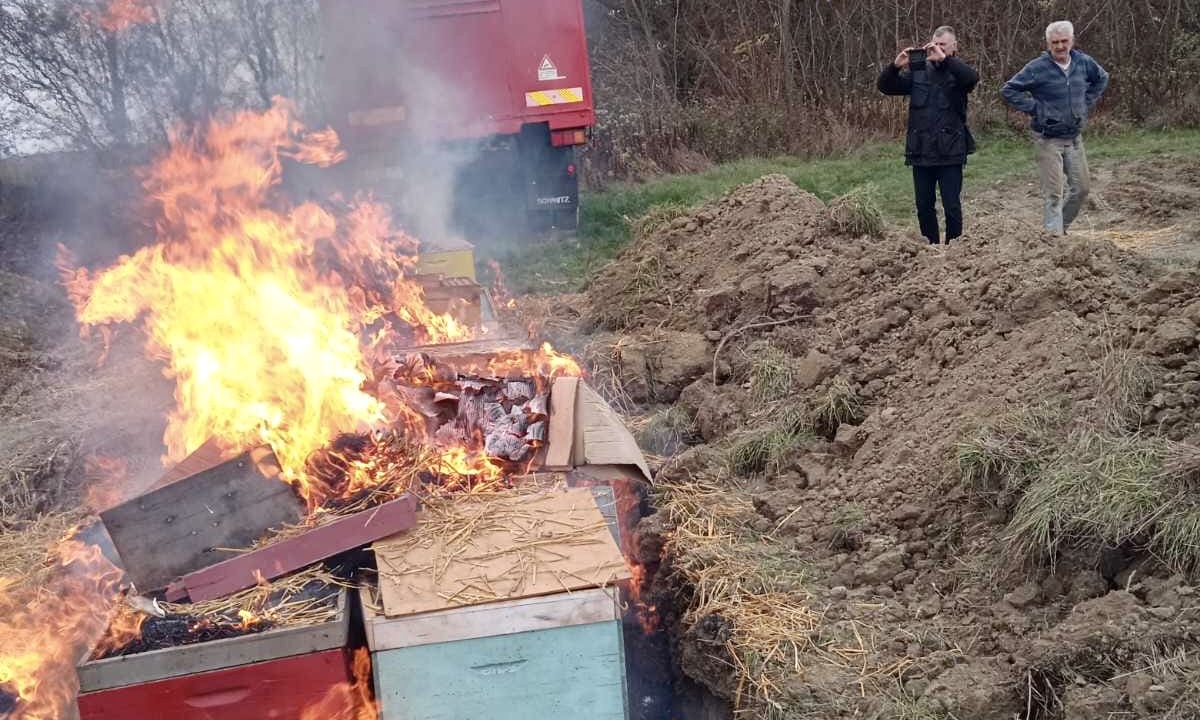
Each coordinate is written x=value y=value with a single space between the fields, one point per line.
x=543 y=658
x=501 y=608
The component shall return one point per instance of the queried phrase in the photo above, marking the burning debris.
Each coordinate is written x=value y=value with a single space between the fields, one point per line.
x=47 y=628
x=304 y=598
x=317 y=399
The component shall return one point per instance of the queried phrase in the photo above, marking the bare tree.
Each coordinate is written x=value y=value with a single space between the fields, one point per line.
x=71 y=76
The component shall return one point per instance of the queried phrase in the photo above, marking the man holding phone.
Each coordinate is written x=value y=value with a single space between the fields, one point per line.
x=937 y=83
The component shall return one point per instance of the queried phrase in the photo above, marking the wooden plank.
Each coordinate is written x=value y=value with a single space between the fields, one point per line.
x=217 y=654
x=560 y=440
x=200 y=520
x=512 y=546
x=604 y=438
x=545 y=675
x=205 y=457
x=502 y=618
x=289 y=555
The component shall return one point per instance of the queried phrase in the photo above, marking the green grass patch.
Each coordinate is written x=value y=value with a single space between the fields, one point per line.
x=607 y=217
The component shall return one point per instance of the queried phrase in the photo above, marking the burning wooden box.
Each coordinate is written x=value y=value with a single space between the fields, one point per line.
x=501 y=607
x=276 y=673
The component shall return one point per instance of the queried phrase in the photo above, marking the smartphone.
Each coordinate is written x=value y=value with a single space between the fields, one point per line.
x=916 y=56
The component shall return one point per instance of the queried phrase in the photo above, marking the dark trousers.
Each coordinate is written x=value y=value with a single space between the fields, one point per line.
x=926 y=180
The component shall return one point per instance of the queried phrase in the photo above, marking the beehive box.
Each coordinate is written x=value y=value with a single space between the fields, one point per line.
x=539 y=654
x=274 y=674
x=543 y=658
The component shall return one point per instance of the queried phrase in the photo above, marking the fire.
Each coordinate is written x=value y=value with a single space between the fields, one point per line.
x=262 y=313
x=546 y=363
x=472 y=466
x=348 y=701
x=121 y=14
x=106 y=478
x=47 y=630
x=125 y=627
x=248 y=619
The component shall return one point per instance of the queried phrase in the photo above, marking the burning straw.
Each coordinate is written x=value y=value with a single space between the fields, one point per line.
x=303 y=599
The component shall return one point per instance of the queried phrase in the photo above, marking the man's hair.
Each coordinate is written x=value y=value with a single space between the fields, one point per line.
x=1061 y=27
x=945 y=30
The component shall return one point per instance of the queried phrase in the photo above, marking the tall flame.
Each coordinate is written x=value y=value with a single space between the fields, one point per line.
x=261 y=311
x=348 y=701
x=47 y=630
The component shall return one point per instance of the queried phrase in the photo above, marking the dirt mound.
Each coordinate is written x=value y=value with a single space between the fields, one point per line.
x=954 y=447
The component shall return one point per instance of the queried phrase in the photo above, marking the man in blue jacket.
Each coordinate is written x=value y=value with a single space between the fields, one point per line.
x=1057 y=89
x=938 y=140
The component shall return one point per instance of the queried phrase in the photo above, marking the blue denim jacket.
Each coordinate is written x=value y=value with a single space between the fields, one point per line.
x=1057 y=102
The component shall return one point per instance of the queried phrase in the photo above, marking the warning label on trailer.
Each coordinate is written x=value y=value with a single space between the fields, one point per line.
x=548 y=70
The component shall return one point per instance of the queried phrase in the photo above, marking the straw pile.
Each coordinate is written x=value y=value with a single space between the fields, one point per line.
x=750 y=584
x=303 y=599
x=495 y=545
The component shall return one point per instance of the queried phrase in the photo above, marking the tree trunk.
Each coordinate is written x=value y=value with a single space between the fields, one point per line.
x=118 y=116
x=786 y=61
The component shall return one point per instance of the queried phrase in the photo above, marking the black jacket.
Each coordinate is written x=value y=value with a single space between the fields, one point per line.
x=937 y=110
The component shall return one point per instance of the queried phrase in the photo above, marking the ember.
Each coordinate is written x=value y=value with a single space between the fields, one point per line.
x=174 y=631
x=307 y=596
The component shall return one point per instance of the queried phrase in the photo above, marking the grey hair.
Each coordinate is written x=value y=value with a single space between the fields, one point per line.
x=1061 y=27
x=945 y=30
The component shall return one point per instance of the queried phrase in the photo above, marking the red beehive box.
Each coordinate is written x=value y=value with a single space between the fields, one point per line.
x=275 y=674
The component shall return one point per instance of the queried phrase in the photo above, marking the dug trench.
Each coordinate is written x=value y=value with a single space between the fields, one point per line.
x=902 y=481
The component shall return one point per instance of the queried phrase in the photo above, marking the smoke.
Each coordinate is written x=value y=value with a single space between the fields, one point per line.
x=412 y=95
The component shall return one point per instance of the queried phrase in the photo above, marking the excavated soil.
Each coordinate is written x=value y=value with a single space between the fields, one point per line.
x=910 y=574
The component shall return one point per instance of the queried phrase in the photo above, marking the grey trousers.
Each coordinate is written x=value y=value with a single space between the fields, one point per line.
x=1061 y=162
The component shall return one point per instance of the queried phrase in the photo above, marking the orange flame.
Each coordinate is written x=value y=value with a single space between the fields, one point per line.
x=545 y=363
x=348 y=701
x=47 y=631
x=260 y=311
x=121 y=14
x=106 y=478
x=124 y=628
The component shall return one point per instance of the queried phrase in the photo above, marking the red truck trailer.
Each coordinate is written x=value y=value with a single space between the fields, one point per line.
x=471 y=109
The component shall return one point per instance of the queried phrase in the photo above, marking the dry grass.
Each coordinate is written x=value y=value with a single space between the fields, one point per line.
x=838 y=404
x=633 y=295
x=33 y=475
x=27 y=549
x=755 y=588
x=606 y=362
x=772 y=372
x=1124 y=382
x=286 y=602
x=1003 y=454
x=765 y=451
x=752 y=583
x=664 y=432
x=656 y=218
x=1100 y=490
x=857 y=213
